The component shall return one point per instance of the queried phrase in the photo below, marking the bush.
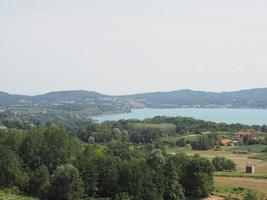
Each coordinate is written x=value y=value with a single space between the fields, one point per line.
x=250 y=195
x=181 y=142
x=223 y=164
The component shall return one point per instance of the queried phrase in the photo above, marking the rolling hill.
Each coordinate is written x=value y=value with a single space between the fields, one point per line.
x=82 y=104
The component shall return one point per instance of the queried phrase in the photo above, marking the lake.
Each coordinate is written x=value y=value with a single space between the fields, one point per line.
x=226 y=115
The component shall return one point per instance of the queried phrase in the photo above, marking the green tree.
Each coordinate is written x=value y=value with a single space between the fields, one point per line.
x=222 y=163
x=40 y=182
x=11 y=173
x=30 y=148
x=125 y=136
x=181 y=142
x=58 y=148
x=173 y=189
x=156 y=159
x=198 y=177
x=117 y=134
x=156 y=162
x=67 y=184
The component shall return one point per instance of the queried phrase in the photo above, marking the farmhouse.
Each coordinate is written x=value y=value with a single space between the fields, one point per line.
x=250 y=168
x=226 y=142
x=245 y=135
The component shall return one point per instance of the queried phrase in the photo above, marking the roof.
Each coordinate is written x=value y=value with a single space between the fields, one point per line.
x=246 y=133
x=225 y=141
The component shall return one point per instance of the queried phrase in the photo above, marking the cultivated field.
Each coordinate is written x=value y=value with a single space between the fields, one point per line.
x=258 y=185
x=256 y=182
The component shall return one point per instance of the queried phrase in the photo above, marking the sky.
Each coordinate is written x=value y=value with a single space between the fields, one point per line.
x=132 y=46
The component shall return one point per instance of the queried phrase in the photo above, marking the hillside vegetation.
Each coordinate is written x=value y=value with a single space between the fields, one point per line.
x=81 y=104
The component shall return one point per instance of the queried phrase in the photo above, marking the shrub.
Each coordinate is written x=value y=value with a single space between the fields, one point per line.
x=223 y=164
x=250 y=195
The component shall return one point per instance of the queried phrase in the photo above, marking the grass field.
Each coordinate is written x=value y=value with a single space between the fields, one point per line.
x=259 y=156
x=8 y=195
x=258 y=185
x=257 y=148
x=240 y=159
x=238 y=178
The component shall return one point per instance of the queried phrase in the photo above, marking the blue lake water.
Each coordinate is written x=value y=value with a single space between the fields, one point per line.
x=244 y=116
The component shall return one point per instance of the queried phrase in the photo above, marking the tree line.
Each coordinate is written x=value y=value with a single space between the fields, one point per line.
x=49 y=163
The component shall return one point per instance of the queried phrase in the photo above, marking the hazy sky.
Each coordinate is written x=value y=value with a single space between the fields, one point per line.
x=130 y=46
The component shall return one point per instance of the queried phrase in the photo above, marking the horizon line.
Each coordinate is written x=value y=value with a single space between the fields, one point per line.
x=137 y=93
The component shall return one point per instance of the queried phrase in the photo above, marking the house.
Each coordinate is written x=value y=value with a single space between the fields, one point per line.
x=226 y=142
x=245 y=135
x=249 y=168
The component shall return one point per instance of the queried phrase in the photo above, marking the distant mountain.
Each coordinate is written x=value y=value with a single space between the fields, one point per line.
x=253 y=98
x=52 y=97
x=9 y=99
x=81 y=104
x=67 y=96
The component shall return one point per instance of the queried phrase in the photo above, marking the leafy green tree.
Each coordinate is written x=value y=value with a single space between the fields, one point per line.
x=173 y=189
x=156 y=159
x=117 y=134
x=14 y=139
x=11 y=173
x=107 y=176
x=30 y=148
x=125 y=136
x=58 y=148
x=135 y=179
x=40 y=183
x=89 y=170
x=222 y=163
x=198 y=177
x=67 y=184
x=156 y=162
x=181 y=142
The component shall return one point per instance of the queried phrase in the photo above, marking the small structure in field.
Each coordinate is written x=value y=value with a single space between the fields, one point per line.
x=250 y=169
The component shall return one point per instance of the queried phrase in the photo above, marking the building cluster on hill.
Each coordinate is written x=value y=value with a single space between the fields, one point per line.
x=241 y=137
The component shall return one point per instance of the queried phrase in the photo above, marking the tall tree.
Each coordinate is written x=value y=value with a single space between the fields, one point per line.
x=67 y=184
x=173 y=188
x=11 y=173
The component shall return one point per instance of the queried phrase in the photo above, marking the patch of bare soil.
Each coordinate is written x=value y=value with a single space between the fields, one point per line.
x=213 y=197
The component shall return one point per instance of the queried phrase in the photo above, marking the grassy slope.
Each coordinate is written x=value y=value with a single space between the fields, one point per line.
x=257 y=181
x=8 y=195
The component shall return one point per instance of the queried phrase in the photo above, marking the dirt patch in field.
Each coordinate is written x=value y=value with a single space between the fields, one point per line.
x=212 y=197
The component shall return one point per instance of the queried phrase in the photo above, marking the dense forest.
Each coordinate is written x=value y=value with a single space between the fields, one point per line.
x=49 y=163
x=114 y=159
